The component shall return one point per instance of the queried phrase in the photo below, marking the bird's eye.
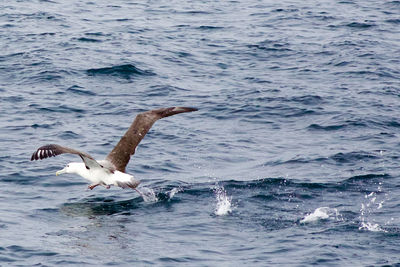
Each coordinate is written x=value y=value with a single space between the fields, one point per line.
x=68 y=166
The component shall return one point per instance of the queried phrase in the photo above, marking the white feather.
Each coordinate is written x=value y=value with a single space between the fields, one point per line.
x=99 y=175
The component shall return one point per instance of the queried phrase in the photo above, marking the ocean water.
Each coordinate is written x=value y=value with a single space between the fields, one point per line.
x=291 y=160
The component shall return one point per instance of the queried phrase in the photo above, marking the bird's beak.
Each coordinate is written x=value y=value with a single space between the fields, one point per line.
x=60 y=172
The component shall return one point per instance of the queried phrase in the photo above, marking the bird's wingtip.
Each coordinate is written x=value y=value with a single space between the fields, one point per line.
x=185 y=109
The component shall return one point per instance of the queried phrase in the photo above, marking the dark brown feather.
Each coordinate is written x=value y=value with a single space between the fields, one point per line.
x=126 y=147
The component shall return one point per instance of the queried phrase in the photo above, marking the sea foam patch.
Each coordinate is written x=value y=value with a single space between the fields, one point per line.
x=321 y=213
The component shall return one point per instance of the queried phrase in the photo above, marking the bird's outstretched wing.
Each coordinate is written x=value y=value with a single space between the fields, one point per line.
x=53 y=150
x=126 y=147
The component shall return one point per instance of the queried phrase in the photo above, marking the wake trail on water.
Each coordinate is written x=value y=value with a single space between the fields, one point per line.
x=223 y=205
x=281 y=194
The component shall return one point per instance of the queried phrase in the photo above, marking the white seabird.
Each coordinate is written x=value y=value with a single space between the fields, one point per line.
x=111 y=170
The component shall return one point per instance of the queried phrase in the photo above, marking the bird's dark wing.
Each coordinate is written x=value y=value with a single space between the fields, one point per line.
x=126 y=147
x=53 y=150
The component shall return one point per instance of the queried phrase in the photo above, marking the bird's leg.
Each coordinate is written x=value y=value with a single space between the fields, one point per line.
x=140 y=193
x=92 y=186
x=107 y=186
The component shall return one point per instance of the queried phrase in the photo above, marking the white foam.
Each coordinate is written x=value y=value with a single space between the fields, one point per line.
x=321 y=213
x=224 y=202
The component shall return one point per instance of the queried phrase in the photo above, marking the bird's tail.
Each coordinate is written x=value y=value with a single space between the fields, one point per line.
x=132 y=183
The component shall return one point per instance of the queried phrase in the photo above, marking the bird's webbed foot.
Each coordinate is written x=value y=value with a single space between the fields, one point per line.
x=92 y=186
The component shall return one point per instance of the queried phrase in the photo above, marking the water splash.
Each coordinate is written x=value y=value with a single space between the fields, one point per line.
x=373 y=227
x=148 y=194
x=224 y=202
x=173 y=192
x=321 y=213
x=369 y=207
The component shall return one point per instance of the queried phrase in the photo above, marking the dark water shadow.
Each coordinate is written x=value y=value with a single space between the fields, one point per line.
x=100 y=206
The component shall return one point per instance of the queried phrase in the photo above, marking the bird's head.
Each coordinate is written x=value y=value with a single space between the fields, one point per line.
x=72 y=167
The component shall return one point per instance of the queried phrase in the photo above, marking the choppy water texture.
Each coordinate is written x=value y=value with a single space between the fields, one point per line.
x=292 y=158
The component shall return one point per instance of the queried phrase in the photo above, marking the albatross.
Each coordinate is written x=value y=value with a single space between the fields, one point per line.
x=111 y=170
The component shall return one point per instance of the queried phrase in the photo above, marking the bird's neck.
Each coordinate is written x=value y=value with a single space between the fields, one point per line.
x=81 y=170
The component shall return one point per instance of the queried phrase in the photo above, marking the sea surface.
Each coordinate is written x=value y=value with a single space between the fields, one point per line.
x=291 y=160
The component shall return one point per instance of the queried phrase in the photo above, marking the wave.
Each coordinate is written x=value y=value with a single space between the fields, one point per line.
x=126 y=71
x=335 y=127
x=360 y=25
x=208 y=27
x=88 y=40
x=57 y=109
x=79 y=91
x=12 y=99
x=393 y=21
x=45 y=125
x=66 y=135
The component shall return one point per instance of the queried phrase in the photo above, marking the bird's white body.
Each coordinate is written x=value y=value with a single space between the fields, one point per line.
x=99 y=176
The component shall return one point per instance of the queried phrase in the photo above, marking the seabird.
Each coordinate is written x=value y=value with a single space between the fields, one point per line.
x=111 y=170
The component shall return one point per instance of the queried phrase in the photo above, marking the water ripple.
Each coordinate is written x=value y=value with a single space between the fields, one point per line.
x=298 y=122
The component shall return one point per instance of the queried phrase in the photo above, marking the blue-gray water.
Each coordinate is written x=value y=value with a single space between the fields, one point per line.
x=292 y=158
